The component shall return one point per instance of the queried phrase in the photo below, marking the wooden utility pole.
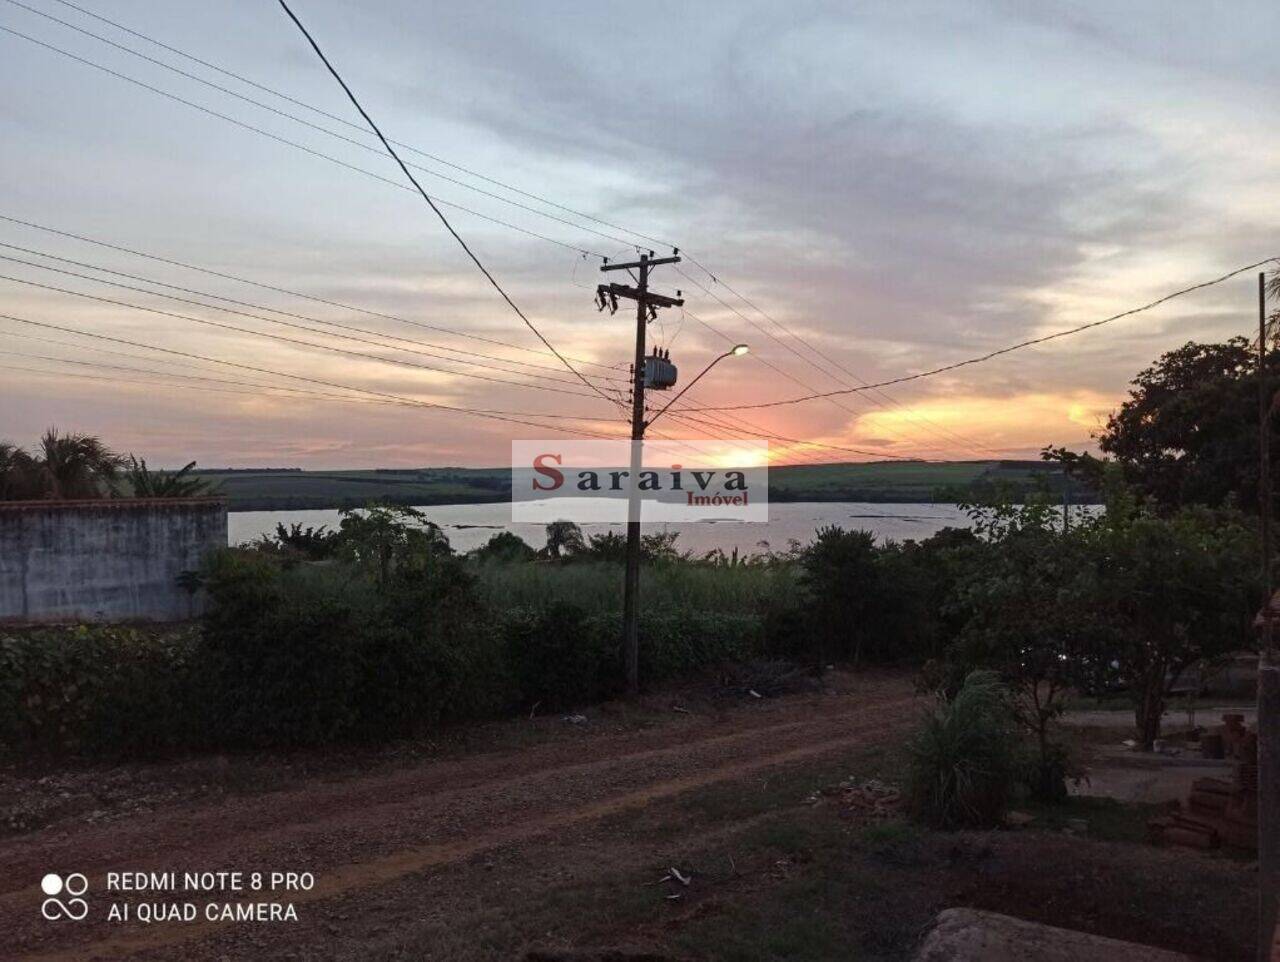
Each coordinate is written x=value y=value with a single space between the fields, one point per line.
x=1268 y=670
x=1264 y=442
x=647 y=304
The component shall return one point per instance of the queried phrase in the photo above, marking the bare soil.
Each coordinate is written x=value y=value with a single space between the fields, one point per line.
x=547 y=839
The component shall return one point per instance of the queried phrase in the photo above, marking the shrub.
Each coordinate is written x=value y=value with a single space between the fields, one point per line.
x=503 y=548
x=676 y=643
x=316 y=654
x=964 y=757
x=100 y=689
x=560 y=656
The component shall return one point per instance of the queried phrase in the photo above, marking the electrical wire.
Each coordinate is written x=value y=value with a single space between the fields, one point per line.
x=932 y=372
x=98 y=242
x=386 y=143
x=933 y=429
x=313 y=126
x=432 y=204
x=433 y=405
x=292 y=391
x=275 y=337
x=891 y=401
x=293 y=143
x=259 y=307
x=354 y=126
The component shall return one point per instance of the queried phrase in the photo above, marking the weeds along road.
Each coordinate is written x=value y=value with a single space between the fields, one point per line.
x=381 y=845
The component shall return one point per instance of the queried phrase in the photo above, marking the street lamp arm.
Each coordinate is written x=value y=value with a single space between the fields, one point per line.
x=736 y=351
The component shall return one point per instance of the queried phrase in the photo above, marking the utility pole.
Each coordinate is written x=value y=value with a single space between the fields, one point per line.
x=1268 y=670
x=647 y=305
x=1264 y=443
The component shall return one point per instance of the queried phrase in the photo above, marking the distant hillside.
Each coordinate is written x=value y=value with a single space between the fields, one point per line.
x=279 y=489
x=918 y=481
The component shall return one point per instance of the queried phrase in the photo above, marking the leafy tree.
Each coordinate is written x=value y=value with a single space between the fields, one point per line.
x=563 y=538
x=388 y=540
x=504 y=547
x=1169 y=592
x=611 y=546
x=145 y=483
x=1188 y=434
x=1024 y=615
x=840 y=577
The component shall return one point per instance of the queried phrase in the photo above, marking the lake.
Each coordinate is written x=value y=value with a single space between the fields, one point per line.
x=471 y=525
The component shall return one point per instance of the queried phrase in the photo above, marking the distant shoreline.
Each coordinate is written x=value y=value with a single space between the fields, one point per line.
x=904 y=482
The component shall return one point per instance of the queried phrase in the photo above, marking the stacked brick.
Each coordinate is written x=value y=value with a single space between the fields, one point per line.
x=1219 y=811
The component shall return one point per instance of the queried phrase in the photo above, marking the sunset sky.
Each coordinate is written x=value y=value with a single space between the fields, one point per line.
x=901 y=185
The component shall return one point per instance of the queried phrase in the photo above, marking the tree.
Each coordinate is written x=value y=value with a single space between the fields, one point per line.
x=296 y=542
x=1169 y=591
x=166 y=484
x=563 y=537
x=77 y=466
x=20 y=475
x=504 y=547
x=389 y=540
x=1134 y=595
x=1024 y=615
x=1188 y=434
x=839 y=574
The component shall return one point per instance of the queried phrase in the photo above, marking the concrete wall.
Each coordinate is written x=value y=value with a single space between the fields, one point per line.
x=109 y=560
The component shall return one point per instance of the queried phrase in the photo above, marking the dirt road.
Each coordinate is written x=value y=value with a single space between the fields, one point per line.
x=421 y=861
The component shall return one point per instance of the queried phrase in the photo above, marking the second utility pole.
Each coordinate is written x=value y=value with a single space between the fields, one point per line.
x=646 y=307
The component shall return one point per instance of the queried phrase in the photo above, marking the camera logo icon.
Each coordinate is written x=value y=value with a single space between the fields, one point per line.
x=74 y=907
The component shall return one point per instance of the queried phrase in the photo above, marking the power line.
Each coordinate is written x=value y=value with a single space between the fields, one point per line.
x=997 y=353
x=432 y=204
x=250 y=331
x=347 y=123
x=768 y=436
x=313 y=126
x=943 y=431
x=293 y=143
x=97 y=242
x=356 y=168
x=783 y=344
x=259 y=307
x=773 y=367
x=300 y=377
x=293 y=392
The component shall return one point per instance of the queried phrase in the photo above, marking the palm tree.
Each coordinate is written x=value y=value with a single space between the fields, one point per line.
x=77 y=466
x=20 y=475
x=166 y=484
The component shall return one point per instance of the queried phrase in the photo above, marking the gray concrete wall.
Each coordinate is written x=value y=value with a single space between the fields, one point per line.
x=106 y=561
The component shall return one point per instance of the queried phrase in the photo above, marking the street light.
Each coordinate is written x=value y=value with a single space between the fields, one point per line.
x=736 y=351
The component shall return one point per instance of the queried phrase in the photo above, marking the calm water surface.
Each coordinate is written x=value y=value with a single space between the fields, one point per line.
x=471 y=525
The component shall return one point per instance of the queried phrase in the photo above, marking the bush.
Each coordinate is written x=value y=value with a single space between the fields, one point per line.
x=316 y=654
x=560 y=656
x=878 y=603
x=100 y=689
x=964 y=758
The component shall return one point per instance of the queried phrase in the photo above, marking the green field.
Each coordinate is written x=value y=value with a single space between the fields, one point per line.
x=886 y=482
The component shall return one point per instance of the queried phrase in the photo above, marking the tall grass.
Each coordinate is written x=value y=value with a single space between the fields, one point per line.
x=964 y=757
x=596 y=587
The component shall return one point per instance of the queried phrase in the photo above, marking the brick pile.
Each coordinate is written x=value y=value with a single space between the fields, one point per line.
x=1219 y=811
